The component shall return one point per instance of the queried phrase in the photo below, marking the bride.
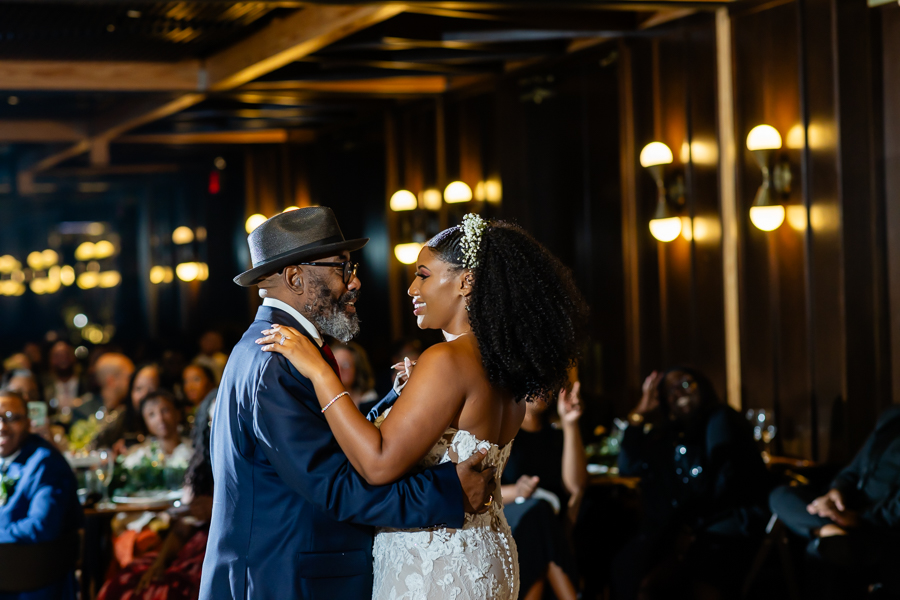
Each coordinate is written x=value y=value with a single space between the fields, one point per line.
x=510 y=314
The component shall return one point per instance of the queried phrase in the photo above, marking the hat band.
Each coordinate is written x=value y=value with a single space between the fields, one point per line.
x=311 y=246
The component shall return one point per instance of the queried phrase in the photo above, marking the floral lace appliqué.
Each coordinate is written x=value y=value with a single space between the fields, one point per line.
x=477 y=562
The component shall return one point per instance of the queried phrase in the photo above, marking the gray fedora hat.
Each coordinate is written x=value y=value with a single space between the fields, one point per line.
x=293 y=237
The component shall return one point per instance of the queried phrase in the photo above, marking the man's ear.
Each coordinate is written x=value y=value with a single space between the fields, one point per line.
x=293 y=278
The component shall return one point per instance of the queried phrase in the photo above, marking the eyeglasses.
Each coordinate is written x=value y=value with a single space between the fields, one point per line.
x=349 y=268
x=11 y=418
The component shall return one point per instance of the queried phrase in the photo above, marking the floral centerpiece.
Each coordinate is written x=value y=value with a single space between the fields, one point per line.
x=147 y=468
x=83 y=433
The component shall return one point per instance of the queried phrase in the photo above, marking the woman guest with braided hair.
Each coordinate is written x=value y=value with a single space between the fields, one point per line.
x=510 y=314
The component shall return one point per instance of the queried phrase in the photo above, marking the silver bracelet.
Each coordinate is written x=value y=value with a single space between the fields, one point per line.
x=335 y=399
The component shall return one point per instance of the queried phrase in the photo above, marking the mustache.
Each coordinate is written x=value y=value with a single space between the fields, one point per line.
x=350 y=296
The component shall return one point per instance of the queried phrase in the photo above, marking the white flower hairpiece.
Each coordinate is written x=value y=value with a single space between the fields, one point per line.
x=473 y=227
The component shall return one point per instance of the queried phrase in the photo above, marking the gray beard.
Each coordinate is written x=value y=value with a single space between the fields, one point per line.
x=328 y=315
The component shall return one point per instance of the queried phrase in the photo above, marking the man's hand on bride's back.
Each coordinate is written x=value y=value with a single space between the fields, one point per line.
x=295 y=347
x=478 y=483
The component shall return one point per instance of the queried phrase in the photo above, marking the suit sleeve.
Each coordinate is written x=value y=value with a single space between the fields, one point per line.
x=295 y=438
x=46 y=509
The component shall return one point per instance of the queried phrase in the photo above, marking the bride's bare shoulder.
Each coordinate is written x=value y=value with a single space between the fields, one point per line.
x=453 y=353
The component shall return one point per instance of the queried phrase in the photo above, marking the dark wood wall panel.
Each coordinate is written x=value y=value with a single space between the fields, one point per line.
x=673 y=100
x=891 y=103
x=773 y=328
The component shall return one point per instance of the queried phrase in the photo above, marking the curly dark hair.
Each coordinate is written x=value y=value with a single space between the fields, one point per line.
x=524 y=309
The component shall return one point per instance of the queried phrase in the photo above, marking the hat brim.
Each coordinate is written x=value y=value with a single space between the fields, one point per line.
x=257 y=273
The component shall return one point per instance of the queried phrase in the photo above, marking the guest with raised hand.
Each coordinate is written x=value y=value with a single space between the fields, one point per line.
x=547 y=458
x=479 y=283
x=703 y=486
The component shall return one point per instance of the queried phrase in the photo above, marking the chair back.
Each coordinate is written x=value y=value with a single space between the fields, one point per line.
x=29 y=567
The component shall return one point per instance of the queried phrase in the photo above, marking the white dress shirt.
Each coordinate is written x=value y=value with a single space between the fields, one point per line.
x=307 y=325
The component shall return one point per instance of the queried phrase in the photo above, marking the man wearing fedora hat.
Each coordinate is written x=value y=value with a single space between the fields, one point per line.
x=291 y=518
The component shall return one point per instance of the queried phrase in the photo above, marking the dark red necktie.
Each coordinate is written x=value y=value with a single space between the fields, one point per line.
x=329 y=356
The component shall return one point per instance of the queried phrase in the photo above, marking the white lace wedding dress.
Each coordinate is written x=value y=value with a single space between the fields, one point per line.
x=477 y=562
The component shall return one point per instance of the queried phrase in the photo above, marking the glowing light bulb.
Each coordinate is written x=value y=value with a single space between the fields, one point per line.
x=254 y=221
x=403 y=200
x=407 y=253
x=457 y=191
x=763 y=137
x=767 y=218
x=656 y=153
x=187 y=271
x=665 y=230
x=431 y=199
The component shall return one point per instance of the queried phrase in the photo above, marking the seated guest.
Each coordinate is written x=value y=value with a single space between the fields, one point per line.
x=128 y=426
x=546 y=463
x=211 y=355
x=197 y=382
x=356 y=374
x=62 y=382
x=704 y=487
x=855 y=524
x=174 y=571
x=38 y=502
x=163 y=419
x=24 y=383
x=112 y=372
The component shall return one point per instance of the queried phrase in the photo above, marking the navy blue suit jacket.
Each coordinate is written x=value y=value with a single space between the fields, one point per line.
x=291 y=518
x=42 y=507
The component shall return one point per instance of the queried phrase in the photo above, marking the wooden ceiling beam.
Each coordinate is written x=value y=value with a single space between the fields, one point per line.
x=426 y=84
x=39 y=131
x=281 y=42
x=106 y=76
x=261 y=136
x=286 y=40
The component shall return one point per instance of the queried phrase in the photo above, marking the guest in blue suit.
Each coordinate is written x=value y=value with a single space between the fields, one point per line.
x=38 y=502
x=291 y=518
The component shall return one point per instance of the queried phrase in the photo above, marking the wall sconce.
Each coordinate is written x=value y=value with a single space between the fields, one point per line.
x=665 y=224
x=767 y=213
x=403 y=200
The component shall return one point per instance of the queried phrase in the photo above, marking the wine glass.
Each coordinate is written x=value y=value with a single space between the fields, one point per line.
x=104 y=473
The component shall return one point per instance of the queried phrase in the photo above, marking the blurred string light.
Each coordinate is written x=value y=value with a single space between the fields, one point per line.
x=161 y=274
x=183 y=235
x=8 y=264
x=80 y=320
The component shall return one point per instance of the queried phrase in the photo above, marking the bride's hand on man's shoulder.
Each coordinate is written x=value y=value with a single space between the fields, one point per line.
x=295 y=347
